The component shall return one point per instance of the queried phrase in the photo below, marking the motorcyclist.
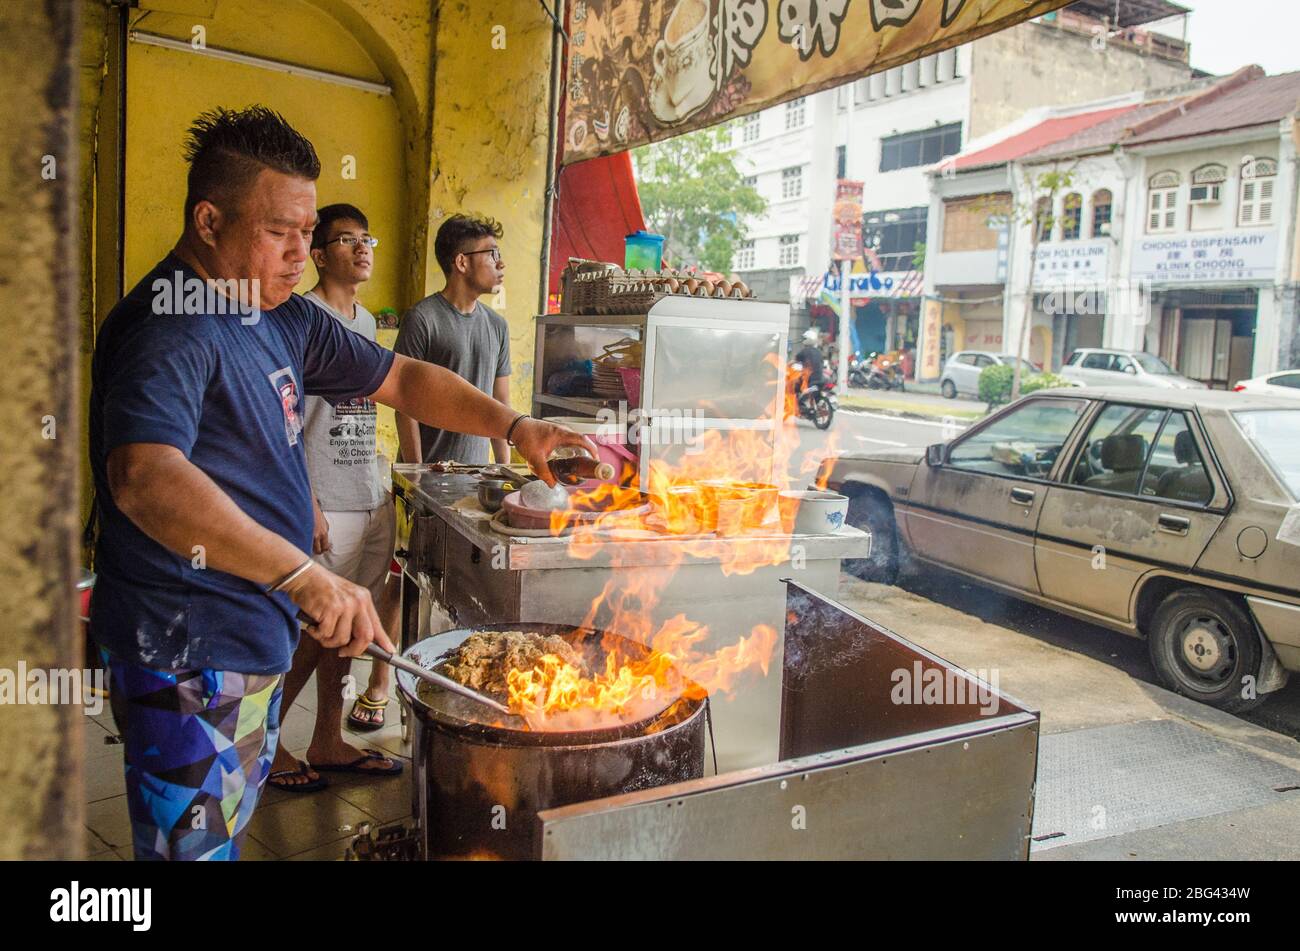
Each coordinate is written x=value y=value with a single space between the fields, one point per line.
x=813 y=362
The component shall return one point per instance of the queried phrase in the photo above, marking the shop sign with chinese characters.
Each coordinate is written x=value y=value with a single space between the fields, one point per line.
x=1074 y=263
x=637 y=72
x=1211 y=257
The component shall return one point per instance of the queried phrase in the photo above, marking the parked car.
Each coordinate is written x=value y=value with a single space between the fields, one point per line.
x=1282 y=383
x=1090 y=367
x=1165 y=514
x=961 y=374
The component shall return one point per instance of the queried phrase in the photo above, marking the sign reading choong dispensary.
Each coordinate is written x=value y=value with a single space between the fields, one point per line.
x=637 y=72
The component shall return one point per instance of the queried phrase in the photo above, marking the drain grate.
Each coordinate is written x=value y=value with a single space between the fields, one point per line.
x=1117 y=779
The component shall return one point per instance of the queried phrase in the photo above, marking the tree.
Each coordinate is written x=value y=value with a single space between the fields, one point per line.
x=693 y=194
x=1036 y=208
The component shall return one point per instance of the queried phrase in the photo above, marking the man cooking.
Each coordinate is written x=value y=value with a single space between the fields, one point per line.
x=195 y=426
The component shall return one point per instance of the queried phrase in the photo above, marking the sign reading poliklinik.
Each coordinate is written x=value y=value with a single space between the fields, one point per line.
x=641 y=70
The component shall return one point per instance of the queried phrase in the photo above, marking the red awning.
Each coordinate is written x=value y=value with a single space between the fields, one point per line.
x=596 y=208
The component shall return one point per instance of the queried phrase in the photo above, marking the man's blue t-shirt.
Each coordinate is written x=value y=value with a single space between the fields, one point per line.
x=227 y=391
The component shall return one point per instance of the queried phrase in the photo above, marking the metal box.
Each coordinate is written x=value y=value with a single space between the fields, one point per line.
x=865 y=770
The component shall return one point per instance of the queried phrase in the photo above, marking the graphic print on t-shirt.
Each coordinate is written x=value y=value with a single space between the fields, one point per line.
x=352 y=433
x=287 y=388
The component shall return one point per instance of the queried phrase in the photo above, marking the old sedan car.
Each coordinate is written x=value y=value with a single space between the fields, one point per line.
x=1158 y=513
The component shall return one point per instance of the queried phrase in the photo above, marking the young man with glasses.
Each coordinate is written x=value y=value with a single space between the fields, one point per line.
x=354 y=520
x=455 y=330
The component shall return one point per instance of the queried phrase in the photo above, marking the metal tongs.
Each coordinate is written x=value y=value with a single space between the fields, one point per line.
x=415 y=670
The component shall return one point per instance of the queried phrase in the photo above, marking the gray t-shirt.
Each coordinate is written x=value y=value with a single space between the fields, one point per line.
x=342 y=461
x=475 y=346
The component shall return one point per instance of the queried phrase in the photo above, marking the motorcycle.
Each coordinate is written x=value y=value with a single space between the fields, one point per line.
x=816 y=402
x=859 y=371
x=883 y=373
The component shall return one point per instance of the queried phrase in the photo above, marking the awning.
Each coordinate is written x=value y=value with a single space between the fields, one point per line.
x=597 y=207
x=637 y=73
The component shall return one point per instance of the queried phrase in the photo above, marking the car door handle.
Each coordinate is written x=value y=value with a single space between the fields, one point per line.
x=1023 y=496
x=1175 y=524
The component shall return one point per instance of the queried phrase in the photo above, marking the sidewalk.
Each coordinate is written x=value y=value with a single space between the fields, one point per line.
x=918 y=401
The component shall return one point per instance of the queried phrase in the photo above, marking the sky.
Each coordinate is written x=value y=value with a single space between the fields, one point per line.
x=1228 y=34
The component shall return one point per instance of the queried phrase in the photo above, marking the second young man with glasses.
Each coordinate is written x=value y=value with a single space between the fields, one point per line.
x=454 y=329
x=354 y=519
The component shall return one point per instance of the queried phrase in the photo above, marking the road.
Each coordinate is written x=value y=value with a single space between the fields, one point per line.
x=854 y=431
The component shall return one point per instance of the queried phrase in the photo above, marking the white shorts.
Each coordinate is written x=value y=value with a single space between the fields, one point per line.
x=361 y=546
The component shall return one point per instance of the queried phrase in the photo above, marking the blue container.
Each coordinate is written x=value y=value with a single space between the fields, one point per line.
x=643 y=251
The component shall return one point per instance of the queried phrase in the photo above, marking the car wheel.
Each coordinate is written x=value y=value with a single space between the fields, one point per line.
x=949 y=389
x=871 y=512
x=1203 y=645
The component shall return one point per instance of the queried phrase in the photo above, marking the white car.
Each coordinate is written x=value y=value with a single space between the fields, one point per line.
x=1094 y=367
x=961 y=374
x=1282 y=383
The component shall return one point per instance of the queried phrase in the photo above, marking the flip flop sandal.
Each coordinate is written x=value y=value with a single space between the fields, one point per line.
x=376 y=719
x=320 y=782
x=356 y=767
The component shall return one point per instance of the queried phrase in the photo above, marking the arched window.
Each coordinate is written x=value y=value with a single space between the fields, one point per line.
x=1102 y=202
x=1258 y=180
x=1043 y=219
x=1162 y=202
x=1072 y=217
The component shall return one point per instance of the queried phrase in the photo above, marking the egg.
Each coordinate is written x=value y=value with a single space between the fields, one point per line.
x=542 y=497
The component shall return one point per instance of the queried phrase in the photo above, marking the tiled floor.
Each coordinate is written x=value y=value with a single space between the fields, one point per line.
x=298 y=826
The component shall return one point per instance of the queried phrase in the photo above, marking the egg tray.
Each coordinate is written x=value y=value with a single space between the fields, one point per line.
x=603 y=292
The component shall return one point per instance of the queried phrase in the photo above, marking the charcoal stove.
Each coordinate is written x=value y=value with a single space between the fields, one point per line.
x=479 y=782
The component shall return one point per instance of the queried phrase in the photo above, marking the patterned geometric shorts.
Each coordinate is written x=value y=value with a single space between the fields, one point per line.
x=199 y=745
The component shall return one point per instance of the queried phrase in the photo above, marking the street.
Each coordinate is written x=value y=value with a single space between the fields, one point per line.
x=1098 y=697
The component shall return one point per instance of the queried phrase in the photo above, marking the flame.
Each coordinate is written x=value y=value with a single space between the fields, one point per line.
x=734 y=523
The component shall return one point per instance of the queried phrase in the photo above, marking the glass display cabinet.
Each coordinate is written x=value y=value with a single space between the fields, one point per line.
x=705 y=364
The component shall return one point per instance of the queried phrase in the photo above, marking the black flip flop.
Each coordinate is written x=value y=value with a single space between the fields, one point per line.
x=356 y=767
x=312 y=785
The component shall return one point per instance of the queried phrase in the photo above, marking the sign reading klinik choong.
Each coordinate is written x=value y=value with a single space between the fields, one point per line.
x=1211 y=257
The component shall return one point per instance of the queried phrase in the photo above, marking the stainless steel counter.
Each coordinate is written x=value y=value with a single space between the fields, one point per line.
x=452 y=498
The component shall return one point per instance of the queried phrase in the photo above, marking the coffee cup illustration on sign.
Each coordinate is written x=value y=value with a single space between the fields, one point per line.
x=685 y=62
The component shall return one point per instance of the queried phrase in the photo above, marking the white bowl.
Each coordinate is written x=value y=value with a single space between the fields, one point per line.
x=809 y=512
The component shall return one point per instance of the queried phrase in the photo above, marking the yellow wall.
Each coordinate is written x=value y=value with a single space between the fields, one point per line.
x=464 y=129
x=171 y=87
x=489 y=148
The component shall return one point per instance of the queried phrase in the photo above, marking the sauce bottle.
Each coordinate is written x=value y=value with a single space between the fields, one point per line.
x=572 y=466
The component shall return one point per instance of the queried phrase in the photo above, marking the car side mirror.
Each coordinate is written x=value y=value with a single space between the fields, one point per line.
x=935 y=455
x=1131 y=369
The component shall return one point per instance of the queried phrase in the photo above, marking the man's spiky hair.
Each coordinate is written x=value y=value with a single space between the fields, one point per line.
x=227 y=148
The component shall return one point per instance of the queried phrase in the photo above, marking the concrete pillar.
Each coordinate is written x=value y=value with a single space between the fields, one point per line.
x=1268 y=338
x=488 y=148
x=876 y=86
x=41 y=811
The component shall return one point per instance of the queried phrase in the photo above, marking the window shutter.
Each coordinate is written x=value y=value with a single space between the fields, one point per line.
x=1265 y=201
